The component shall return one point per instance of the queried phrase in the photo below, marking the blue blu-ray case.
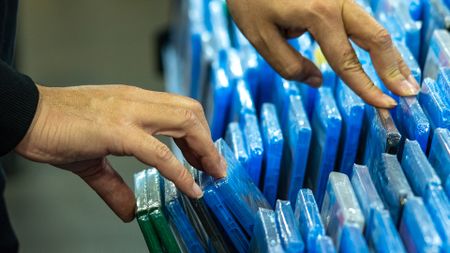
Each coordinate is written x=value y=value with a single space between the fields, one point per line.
x=323 y=244
x=283 y=90
x=254 y=145
x=241 y=102
x=265 y=238
x=392 y=185
x=326 y=127
x=365 y=191
x=438 y=55
x=308 y=216
x=235 y=139
x=351 y=108
x=273 y=142
x=297 y=133
x=340 y=207
x=417 y=229
x=352 y=240
x=410 y=60
x=435 y=104
x=417 y=169
x=439 y=155
x=443 y=81
x=438 y=206
x=381 y=233
x=288 y=228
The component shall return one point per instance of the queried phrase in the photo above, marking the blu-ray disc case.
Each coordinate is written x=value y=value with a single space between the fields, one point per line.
x=323 y=244
x=288 y=228
x=438 y=55
x=235 y=139
x=254 y=145
x=352 y=240
x=438 y=206
x=265 y=238
x=435 y=104
x=439 y=155
x=381 y=233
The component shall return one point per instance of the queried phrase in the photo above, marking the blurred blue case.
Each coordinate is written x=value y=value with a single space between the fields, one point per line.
x=417 y=169
x=351 y=108
x=392 y=185
x=283 y=90
x=217 y=24
x=242 y=102
x=273 y=142
x=288 y=227
x=265 y=238
x=308 y=216
x=235 y=140
x=435 y=104
x=382 y=235
x=438 y=206
x=438 y=55
x=340 y=207
x=439 y=155
x=297 y=133
x=443 y=80
x=326 y=128
x=417 y=229
x=254 y=145
x=323 y=244
x=365 y=191
x=352 y=240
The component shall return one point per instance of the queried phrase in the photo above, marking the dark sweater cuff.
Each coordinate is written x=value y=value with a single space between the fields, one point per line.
x=19 y=98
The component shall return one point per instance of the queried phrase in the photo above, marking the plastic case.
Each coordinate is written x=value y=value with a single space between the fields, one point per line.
x=417 y=229
x=435 y=104
x=381 y=234
x=438 y=54
x=438 y=206
x=288 y=227
x=392 y=185
x=443 y=80
x=273 y=142
x=297 y=133
x=242 y=102
x=439 y=155
x=410 y=60
x=417 y=169
x=412 y=121
x=323 y=244
x=282 y=91
x=326 y=128
x=351 y=108
x=352 y=240
x=235 y=139
x=340 y=207
x=308 y=216
x=365 y=191
x=254 y=145
x=265 y=237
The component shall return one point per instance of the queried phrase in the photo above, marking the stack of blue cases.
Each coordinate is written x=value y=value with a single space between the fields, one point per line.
x=241 y=102
x=438 y=206
x=351 y=108
x=273 y=142
x=235 y=139
x=326 y=128
x=435 y=104
x=254 y=145
x=297 y=133
x=288 y=227
x=265 y=238
x=439 y=155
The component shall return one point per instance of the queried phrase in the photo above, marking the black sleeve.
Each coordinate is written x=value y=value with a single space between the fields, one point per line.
x=19 y=98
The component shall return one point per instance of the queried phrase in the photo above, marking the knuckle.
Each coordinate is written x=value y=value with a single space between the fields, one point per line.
x=189 y=118
x=292 y=71
x=322 y=9
x=382 y=38
x=163 y=152
x=182 y=176
x=350 y=63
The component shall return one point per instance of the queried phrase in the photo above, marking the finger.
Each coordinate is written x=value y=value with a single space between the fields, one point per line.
x=184 y=124
x=150 y=151
x=284 y=59
x=368 y=34
x=333 y=40
x=109 y=185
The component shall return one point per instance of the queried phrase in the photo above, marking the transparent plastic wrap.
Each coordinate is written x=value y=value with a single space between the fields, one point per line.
x=326 y=128
x=340 y=207
x=235 y=139
x=254 y=145
x=438 y=54
x=238 y=192
x=352 y=240
x=351 y=108
x=323 y=244
x=438 y=206
x=435 y=104
x=365 y=191
x=382 y=235
x=273 y=142
x=436 y=15
x=297 y=133
x=178 y=218
x=288 y=227
x=417 y=169
x=410 y=60
x=417 y=230
x=412 y=121
x=265 y=238
x=329 y=77
x=439 y=155
x=308 y=216
x=380 y=135
x=392 y=185
x=242 y=102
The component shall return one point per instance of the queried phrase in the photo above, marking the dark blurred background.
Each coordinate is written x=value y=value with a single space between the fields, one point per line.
x=66 y=42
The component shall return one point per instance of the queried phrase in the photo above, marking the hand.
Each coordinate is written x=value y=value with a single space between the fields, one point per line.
x=75 y=128
x=267 y=23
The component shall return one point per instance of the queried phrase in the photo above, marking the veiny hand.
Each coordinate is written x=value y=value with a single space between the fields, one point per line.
x=75 y=129
x=267 y=24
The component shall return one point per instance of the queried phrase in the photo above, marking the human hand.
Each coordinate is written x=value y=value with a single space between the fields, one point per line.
x=75 y=128
x=267 y=24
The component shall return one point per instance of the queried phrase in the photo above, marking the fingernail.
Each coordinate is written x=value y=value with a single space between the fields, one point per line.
x=388 y=101
x=314 y=81
x=223 y=166
x=197 y=191
x=409 y=87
